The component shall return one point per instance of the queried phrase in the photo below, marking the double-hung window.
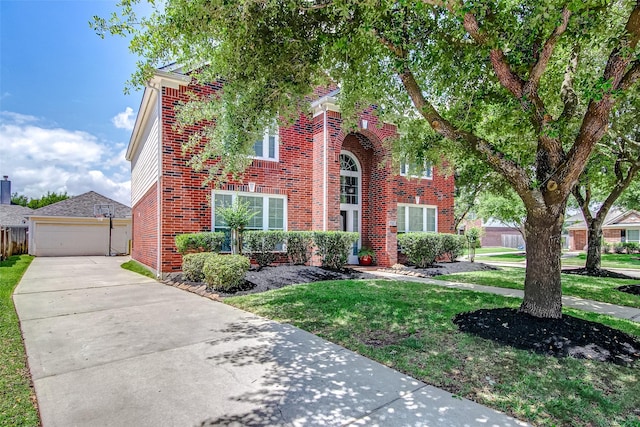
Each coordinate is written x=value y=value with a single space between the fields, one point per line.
x=270 y=209
x=412 y=170
x=633 y=236
x=417 y=218
x=266 y=148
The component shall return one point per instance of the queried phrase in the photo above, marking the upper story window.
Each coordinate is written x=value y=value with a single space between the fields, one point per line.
x=267 y=147
x=349 y=180
x=427 y=170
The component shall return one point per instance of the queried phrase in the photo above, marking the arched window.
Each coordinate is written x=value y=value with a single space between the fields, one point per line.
x=349 y=180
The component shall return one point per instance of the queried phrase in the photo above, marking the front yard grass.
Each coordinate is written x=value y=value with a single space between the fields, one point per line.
x=608 y=260
x=407 y=326
x=593 y=288
x=16 y=396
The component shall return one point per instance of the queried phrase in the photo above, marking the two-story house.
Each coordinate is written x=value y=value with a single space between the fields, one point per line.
x=307 y=176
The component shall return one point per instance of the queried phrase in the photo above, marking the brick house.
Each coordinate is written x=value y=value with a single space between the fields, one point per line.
x=618 y=226
x=308 y=176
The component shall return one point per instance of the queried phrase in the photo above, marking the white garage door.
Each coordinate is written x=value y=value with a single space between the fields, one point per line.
x=76 y=239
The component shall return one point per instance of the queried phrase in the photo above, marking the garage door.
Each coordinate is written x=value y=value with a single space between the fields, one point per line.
x=76 y=239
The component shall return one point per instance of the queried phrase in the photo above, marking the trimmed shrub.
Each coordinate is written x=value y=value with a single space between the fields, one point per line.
x=606 y=248
x=631 y=247
x=618 y=247
x=192 y=265
x=225 y=272
x=334 y=247
x=299 y=246
x=262 y=245
x=421 y=249
x=204 y=241
x=452 y=245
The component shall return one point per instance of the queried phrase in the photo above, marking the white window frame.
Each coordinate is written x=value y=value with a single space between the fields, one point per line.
x=424 y=208
x=626 y=233
x=268 y=132
x=427 y=173
x=265 y=208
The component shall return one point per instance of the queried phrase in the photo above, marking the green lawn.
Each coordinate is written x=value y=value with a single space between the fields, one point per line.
x=407 y=326
x=480 y=251
x=593 y=288
x=608 y=260
x=16 y=396
x=136 y=267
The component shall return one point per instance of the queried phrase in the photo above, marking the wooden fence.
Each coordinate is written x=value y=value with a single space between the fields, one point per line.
x=13 y=241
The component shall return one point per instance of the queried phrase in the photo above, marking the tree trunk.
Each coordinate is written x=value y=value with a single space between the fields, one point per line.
x=542 y=288
x=594 y=243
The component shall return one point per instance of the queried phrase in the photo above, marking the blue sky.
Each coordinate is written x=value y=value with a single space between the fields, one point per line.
x=65 y=121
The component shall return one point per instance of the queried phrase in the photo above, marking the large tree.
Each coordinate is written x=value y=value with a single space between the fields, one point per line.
x=525 y=86
x=611 y=171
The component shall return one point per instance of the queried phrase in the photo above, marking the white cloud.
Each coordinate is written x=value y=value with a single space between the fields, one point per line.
x=124 y=120
x=39 y=159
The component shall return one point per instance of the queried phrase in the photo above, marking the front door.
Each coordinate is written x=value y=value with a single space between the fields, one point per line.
x=350 y=198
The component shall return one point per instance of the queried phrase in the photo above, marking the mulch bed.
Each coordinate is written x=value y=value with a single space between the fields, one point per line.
x=630 y=289
x=596 y=273
x=566 y=337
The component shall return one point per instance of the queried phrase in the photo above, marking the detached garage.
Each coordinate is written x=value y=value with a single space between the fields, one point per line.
x=88 y=224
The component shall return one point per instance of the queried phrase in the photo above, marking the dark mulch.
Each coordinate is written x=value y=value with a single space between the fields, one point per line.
x=268 y=278
x=564 y=337
x=597 y=273
x=630 y=289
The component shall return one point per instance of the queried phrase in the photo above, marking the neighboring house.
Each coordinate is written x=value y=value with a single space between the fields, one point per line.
x=13 y=223
x=495 y=233
x=307 y=176
x=618 y=226
x=76 y=226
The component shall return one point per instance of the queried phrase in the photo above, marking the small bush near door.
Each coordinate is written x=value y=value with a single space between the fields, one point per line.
x=334 y=247
x=299 y=246
x=262 y=245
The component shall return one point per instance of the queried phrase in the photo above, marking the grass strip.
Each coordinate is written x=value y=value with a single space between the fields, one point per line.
x=136 y=267
x=17 y=399
x=593 y=288
x=407 y=326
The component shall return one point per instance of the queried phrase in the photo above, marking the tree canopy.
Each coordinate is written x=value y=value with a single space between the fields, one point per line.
x=525 y=86
x=38 y=202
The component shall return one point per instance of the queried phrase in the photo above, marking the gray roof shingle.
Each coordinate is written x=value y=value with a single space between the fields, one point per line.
x=82 y=206
x=14 y=215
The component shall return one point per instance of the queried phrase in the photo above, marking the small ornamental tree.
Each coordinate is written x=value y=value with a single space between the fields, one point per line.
x=236 y=216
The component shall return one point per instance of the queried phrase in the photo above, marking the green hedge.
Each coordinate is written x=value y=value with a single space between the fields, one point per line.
x=422 y=249
x=262 y=245
x=225 y=272
x=204 y=241
x=334 y=247
x=299 y=246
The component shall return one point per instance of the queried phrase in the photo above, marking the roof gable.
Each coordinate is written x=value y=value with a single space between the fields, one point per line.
x=82 y=207
x=629 y=217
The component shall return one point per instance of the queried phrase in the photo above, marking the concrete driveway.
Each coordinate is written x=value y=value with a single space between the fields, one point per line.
x=108 y=347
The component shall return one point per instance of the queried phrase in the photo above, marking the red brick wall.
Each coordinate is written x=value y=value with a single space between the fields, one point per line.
x=186 y=206
x=144 y=229
x=299 y=175
x=578 y=239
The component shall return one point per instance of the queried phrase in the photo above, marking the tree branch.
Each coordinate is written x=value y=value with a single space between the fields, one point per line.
x=538 y=69
x=567 y=92
x=631 y=77
x=515 y=174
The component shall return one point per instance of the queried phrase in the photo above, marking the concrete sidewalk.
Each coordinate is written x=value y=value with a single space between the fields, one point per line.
x=109 y=347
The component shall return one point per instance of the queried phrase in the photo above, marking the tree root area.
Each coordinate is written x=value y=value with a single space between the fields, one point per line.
x=566 y=337
x=599 y=272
